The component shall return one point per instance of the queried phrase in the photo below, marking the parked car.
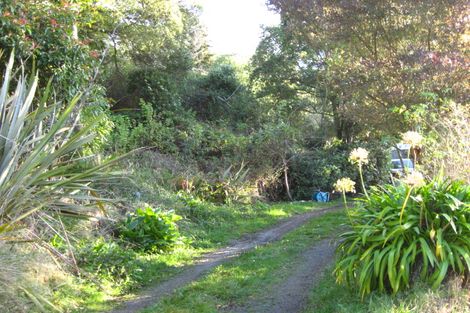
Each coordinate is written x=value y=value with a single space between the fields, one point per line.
x=399 y=170
x=401 y=153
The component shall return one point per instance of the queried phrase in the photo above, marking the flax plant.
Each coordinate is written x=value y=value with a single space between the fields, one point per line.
x=41 y=171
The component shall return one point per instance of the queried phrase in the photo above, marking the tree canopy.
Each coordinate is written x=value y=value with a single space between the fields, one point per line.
x=379 y=59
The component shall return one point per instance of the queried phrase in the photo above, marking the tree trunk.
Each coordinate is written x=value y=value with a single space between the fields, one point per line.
x=286 y=179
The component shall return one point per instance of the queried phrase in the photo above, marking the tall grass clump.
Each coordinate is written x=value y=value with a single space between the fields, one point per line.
x=401 y=234
x=42 y=174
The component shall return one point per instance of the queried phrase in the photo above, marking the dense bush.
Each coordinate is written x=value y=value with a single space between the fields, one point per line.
x=151 y=230
x=221 y=94
x=144 y=129
x=321 y=167
x=402 y=231
x=230 y=186
x=48 y=36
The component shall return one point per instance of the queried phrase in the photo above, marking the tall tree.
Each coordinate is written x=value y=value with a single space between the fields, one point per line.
x=296 y=79
x=382 y=57
x=156 y=44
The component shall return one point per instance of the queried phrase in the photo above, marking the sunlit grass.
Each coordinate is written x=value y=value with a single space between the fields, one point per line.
x=250 y=275
x=329 y=297
x=222 y=224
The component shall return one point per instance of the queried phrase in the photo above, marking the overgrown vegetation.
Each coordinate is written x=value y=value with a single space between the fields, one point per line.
x=41 y=177
x=205 y=146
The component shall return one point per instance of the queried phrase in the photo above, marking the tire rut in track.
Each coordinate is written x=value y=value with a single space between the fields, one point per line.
x=291 y=295
x=154 y=294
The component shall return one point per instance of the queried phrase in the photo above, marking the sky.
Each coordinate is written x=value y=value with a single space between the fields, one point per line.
x=234 y=26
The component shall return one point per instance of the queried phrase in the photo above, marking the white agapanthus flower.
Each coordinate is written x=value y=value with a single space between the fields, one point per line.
x=345 y=185
x=412 y=138
x=415 y=179
x=359 y=156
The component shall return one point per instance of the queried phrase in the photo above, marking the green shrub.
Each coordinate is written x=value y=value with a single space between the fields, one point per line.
x=146 y=130
x=228 y=187
x=320 y=168
x=395 y=237
x=151 y=230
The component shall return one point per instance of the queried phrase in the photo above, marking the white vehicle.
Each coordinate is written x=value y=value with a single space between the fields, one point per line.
x=401 y=162
x=397 y=166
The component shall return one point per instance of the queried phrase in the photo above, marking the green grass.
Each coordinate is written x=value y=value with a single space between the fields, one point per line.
x=205 y=226
x=93 y=293
x=251 y=276
x=210 y=226
x=248 y=276
x=329 y=297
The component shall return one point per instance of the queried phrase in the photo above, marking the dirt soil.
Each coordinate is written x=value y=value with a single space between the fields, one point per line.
x=292 y=294
x=297 y=285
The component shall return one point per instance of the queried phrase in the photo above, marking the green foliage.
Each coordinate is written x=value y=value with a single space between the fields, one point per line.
x=221 y=94
x=157 y=44
x=38 y=170
x=99 y=118
x=147 y=131
x=384 y=252
x=151 y=230
x=110 y=261
x=160 y=33
x=178 y=133
x=42 y=32
x=320 y=168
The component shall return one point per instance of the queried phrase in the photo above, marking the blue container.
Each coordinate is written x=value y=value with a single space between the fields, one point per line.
x=320 y=196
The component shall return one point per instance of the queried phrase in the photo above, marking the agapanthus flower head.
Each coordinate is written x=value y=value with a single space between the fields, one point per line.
x=412 y=138
x=415 y=179
x=345 y=184
x=359 y=156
